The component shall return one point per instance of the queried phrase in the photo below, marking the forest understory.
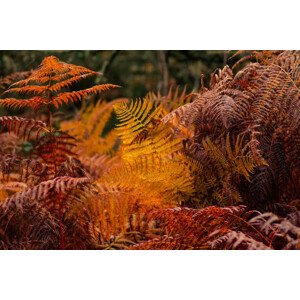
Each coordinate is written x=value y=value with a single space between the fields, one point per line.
x=213 y=169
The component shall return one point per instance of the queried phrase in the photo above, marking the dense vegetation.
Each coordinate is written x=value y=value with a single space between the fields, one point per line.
x=213 y=169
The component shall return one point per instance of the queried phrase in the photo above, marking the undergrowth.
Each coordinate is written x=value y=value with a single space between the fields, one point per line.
x=213 y=169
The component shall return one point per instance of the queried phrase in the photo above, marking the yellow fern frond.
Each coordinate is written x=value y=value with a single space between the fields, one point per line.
x=135 y=118
x=141 y=131
x=239 y=159
x=152 y=177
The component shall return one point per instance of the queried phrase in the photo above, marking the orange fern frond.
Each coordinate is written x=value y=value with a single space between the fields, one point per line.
x=46 y=86
x=8 y=80
x=34 y=89
x=33 y=103
x=79 y=95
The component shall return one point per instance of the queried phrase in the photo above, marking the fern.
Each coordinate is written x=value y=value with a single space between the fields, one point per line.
x=135 y=118
x=51 y=171
x=141 y=132
x=23 y=126
x=54 y=148
x=261 y=104
x=274 y=233
x=89 y=129
x=45 y=86
x=186 y=228
x=238 y=240
x=36 y=228
x=148 y=171
x=222 y=228
x=172 y=100
x=42 y=191
x=171 y=175
x=8 y=80
x=29 y=170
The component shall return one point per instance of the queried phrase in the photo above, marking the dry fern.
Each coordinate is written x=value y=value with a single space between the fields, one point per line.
x=222 y=228
x=261 y=104
x=45 y=86
x=91 y=187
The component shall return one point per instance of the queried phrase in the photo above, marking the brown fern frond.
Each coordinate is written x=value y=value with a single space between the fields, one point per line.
x=238 y=240
x=59 y=185
x=278 y=230
x=31 y=227
x=220 y=78
x=29 y=170
x=13 y=186
x=261 y=104
x=258 y=56
x=10 y=143
x=263 y=231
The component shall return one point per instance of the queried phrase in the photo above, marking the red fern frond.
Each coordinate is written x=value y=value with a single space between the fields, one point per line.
x=222 y=228
x=187 y=228
x=54 y=149
x=22 y=126
x=25 y=167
